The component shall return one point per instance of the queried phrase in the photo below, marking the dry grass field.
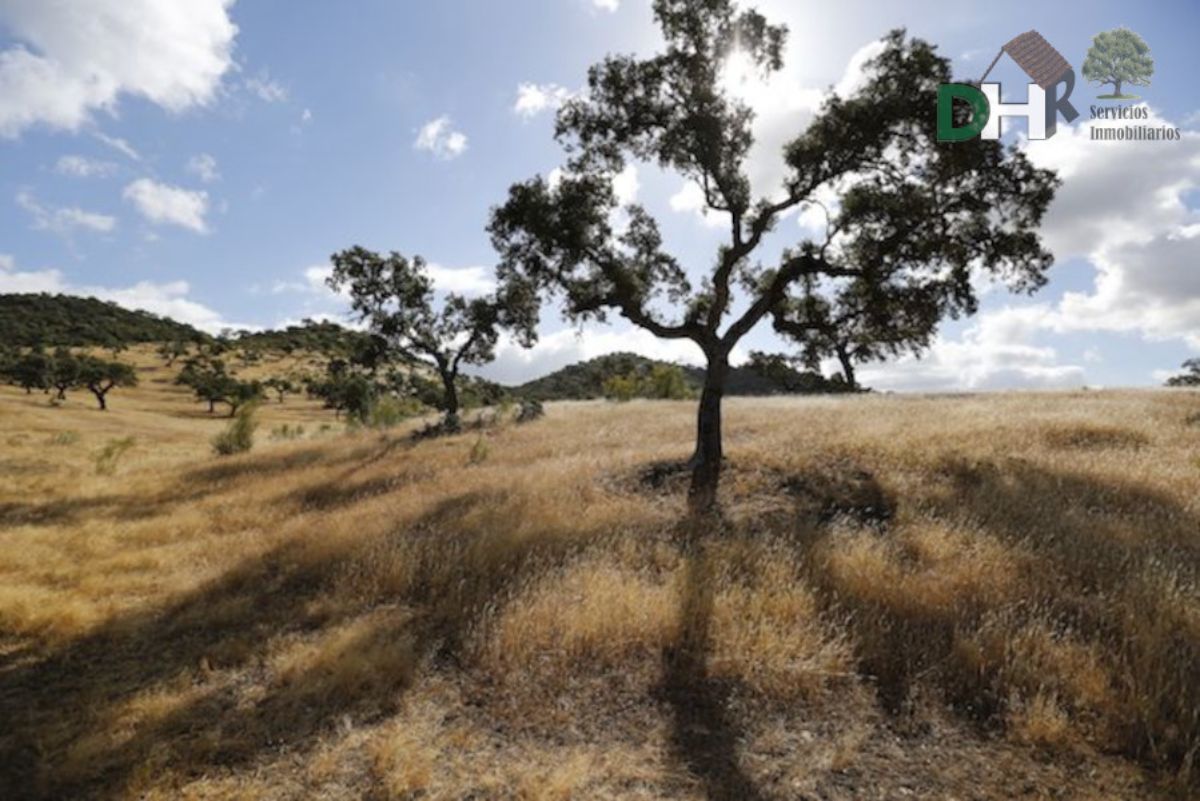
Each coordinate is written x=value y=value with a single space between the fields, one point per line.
x=974 y=597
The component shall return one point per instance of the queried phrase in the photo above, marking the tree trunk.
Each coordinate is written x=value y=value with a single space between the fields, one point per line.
x=706 y=461
x=1118 y=91
x=847 y=369
x=62 y=393
x=100 y=399
x=451 y=400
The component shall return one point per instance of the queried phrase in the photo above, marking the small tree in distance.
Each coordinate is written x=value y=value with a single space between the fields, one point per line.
x=395 y=297
x=100 y=376
x=1118 y=57
x=1190 y=378
x=948 y=209
x=865 y=321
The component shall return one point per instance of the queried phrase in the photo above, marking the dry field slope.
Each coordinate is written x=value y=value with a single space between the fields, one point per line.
x=956 y=597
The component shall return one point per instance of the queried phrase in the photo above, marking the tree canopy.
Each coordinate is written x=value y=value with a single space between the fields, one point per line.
x=1190 y=377
x=912 y=214
x=395 y=296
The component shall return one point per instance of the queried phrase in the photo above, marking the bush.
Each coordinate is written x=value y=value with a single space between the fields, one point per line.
x=621 y=388
x=64 y=438
x=530 y=410
x=286 y=431
x=388 y=411
x=107 y=457
x=238 y=436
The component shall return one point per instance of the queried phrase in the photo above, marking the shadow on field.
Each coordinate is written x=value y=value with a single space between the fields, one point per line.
x=67 y=731
x=703 y=733
x=1112 y=564
x=192 y=485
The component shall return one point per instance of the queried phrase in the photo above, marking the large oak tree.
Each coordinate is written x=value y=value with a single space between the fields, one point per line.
x=913 y=212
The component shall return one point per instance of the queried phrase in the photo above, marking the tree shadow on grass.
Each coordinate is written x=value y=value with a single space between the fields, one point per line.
x=1105 y=559
x=703 y=732
x=65 y=714
x=192 y=485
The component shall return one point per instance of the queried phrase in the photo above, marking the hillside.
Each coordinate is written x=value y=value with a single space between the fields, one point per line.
x=51 y=320
x=585 y=380
x=979 y=597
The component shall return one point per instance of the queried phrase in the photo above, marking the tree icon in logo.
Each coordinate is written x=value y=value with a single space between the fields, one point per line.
x=1118 y=57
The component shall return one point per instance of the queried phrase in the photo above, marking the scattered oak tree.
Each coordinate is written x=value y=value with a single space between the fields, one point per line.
x=947 y=209
x=280 y=386
x=100 y=376
x=395 y=297
x=863 y=321
x=1189 y=378
x=1118 y=57
x=64 y=372
x=29 y=371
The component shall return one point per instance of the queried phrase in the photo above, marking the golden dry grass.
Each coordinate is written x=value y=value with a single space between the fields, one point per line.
x=917 y=597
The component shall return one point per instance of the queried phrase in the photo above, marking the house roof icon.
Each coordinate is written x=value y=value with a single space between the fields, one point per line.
x=1044 y=65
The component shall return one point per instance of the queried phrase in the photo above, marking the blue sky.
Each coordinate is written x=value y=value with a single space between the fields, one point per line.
x=202 y=158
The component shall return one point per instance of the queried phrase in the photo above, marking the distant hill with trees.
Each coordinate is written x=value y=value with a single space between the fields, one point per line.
x=587 y=379
x=27 y=320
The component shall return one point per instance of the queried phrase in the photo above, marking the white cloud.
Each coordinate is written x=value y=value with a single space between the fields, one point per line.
x=306 y=115
x=462 y=280
x=626 y=185
x=163 y=203
x=83 y=167
x=533 y=99
x=1122 y=206
x=63 y=220
x=7 y=262
x=690 y=198
x=515 y=364
x=167 y=299
x=120 y=145
x=61 y=70
x=439 y=138
x=204 y=167
x=995 y=352
x=266 y=88
x=607 y=5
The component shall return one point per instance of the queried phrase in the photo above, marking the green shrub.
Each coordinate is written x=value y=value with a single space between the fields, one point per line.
x=530 y=410
x=64 y=438
x=106 y=458
x=621 y=388
x=288 y=432
x=479 y=451
x=387 y=411
x=238 y=436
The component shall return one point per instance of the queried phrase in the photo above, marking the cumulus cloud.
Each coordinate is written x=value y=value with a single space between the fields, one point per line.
x=1123 y=207
x=63 y=220
x=59 y=71
x=607 y=5
x=167 y=299
x=204 y=167
x=165 y=204
x=997 y=351
x=515 y=364
x=439 y=138
x=83 y=167
x=533 y=99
